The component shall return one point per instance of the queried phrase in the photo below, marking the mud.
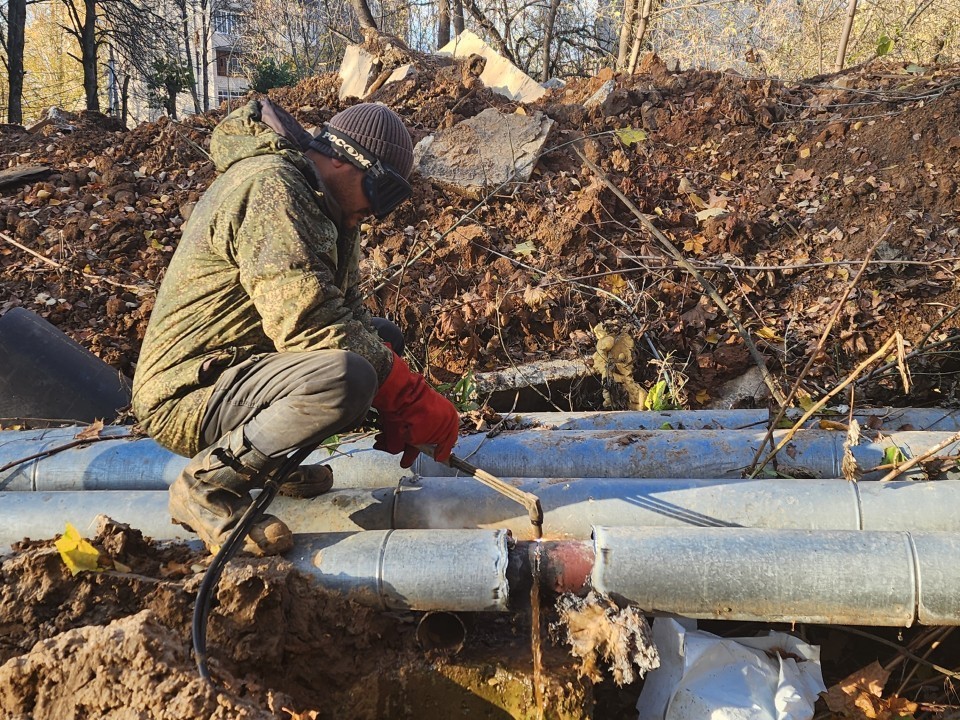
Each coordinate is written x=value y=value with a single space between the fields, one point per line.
x=116 y=644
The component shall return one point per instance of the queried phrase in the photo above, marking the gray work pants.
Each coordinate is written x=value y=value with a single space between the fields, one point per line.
x=294 y=399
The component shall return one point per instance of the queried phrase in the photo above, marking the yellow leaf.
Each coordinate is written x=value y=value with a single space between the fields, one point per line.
x=697 y=201
x=805 y=401
x=712 y=337
x=703 y=396
x=805 y=152
x=630 y=136
x=617 y=284
x=769 y=334
x=710 y=212
x=78 y=554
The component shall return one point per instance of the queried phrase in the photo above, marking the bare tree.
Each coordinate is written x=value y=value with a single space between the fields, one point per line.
x=548 y=24
x=13 y=40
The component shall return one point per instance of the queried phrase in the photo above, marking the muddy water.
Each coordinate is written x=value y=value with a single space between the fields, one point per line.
x=535 y=640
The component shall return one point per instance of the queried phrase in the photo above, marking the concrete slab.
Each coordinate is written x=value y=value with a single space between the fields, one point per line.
x=484 y=151
x=500 y=75
x=358 y=69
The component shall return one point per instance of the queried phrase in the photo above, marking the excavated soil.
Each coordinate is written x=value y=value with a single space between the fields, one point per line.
x=751 y=178
x=116 y=644
x=774 y=191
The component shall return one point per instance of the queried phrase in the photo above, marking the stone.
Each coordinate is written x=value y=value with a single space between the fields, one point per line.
x=484 y=151
x=500 y=75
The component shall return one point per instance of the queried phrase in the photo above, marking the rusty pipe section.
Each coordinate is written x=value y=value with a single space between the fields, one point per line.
x=749 y=574
x=117 y=463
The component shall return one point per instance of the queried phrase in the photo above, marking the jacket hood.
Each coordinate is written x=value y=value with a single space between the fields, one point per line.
x=243 y=134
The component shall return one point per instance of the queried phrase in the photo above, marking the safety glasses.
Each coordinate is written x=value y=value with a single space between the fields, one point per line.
x=383 y=186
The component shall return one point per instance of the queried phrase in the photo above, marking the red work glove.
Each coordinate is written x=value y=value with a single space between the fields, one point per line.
x=413 y=413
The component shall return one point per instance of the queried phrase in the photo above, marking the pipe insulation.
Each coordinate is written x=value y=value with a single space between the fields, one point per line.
x=411 y=569
x=141 y=464
x=889 y=419
x=843 y=577
x=571 y=507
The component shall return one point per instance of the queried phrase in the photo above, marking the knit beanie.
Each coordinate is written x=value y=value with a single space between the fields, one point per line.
x=379 y=130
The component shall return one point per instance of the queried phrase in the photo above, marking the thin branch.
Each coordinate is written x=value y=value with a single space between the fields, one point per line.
x=900 y=469
x=60 y=448
x=704 y=283
x=899 y=648
x=824 y=400
x=99 y=278
x=816 y=352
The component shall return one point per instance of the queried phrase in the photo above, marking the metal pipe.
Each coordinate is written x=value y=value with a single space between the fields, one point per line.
x=783 y=575
x=441 y=631
x=141 y=464
x=412 y=569
x=645 y=420
x=571 y=507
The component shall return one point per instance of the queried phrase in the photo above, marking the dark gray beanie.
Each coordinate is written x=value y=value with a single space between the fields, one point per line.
x=380 y=131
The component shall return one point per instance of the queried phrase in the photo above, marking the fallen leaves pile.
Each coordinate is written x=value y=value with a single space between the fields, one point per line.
x=773 y=191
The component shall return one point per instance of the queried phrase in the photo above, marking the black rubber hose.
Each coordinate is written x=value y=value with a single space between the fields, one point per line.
x=211 y=577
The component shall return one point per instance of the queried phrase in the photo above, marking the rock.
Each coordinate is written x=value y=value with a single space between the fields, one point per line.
x=484 y=151
x=748 y=390
x=358 y=69
x=500 y=75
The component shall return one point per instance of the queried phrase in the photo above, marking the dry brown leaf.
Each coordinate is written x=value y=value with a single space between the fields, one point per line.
x=91 y=431
x=860 y=695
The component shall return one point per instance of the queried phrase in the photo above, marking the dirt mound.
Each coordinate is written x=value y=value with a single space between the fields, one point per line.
x=108 y=644
x=774 y=191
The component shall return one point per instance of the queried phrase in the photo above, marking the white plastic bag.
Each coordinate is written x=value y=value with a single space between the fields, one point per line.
x=705 y=676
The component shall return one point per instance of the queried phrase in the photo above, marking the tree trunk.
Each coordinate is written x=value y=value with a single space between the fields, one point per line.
x=88 y=55
x=186 y=48
x=496 y=39
x=548 y=39
x=364 y=16
x=204 y=65
x=845 y=35
x=626 y=32
x=16 y=21
x=124 y=98
x=642 y=25
x=443 y=22
x=457 y=13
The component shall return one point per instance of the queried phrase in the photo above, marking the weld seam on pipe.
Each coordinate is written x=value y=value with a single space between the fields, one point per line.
x=858 y=500
x=381 y=553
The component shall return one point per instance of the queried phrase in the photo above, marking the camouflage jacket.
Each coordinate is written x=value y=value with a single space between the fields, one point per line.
x=260 y=268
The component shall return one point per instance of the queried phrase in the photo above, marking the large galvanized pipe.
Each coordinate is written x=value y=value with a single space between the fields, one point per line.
x=845 y=577
x=141 y=464
x=412 y=569
x=889 y=419
x=571 y=507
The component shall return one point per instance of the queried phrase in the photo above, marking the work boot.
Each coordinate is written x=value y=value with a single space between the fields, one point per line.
x=213 y=492
x=307 y=481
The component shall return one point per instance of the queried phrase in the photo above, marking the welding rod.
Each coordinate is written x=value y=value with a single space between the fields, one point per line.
x=530 y=501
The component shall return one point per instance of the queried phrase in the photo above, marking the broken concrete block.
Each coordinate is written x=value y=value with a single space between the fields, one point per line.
x=600 y=96
x=484 y=151
x=358 y=69
x=500 y=75
x=404 y=72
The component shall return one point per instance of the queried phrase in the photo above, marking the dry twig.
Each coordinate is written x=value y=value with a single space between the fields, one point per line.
x=99 y=278
x=823 y=401
x=903 y=467
x=816 y=352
